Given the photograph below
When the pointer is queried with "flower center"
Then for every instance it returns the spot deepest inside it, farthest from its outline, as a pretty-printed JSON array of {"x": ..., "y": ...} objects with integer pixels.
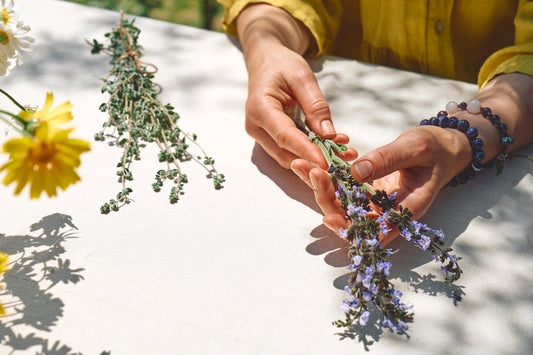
[
  {"x": 4, "y": 38},
  {"x": 42, "y": 153},
  {"x": 4, "y": 16}
]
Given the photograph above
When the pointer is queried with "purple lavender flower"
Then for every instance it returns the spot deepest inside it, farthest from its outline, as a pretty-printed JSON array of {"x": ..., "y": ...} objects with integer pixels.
[
  {"x": 367, "y": 296},
  {"x": 345, "y": 306},
  {"x": 424, "y": 242},
  {"x": 367, "y": 280},
  {"x": 386, "y": 323},
  {"x": 343, "y": 232},
  {"x": 406, "y": 233},
  {"x": 364, "y": 318},
  {"x": 357, "y": 260},
  {"x": 384, "y": 267}
]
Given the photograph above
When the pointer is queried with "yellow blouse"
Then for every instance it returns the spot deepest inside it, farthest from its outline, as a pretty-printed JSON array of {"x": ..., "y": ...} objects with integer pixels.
[{"x": 458, "y": 39}]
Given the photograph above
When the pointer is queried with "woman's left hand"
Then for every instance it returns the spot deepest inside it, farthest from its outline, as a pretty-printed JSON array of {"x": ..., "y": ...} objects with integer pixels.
[{"x": 416, "y": 166}]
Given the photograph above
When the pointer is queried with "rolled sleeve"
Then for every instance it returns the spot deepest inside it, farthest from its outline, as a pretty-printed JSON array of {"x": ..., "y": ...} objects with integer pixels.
[
  {"x": 320, "y": 17},
  {"x": 517, "y": 58}
]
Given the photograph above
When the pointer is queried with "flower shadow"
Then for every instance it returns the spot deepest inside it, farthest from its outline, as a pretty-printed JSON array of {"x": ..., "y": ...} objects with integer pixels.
[{"x": 36, "y": 267}]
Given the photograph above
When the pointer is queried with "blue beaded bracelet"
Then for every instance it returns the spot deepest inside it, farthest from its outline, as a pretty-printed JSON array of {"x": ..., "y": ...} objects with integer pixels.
[{"x": 476, "y": 143}]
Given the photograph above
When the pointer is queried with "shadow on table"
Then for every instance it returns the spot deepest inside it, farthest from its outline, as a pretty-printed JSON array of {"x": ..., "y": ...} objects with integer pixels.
[
  {"x": 36, "y": 267},
  {"x": 453, "y": 211}
]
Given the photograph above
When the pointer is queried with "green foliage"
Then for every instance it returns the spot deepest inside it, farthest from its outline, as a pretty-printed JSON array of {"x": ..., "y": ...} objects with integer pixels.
[
  {"x": 199, "y": 13},
  {"x": 137, "y": 117}
]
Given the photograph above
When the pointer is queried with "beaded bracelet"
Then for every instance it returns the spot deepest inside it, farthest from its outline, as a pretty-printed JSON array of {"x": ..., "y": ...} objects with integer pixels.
[{"x": 476, "y": 143}]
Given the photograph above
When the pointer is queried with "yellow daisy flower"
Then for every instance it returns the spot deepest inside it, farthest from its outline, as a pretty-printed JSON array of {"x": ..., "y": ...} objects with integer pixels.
[
  {"x": 45, "y": 162},
  {"x": 57, "y": 116}
]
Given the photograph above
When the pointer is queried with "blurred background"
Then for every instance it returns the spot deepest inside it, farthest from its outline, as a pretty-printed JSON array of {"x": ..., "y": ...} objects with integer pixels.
[{"x": 199, "y": 13}]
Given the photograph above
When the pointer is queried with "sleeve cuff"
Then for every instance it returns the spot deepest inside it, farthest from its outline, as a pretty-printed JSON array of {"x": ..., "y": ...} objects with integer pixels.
[
  {"x": 300, "y": 10},
  {"x": 514, "y": 59}
]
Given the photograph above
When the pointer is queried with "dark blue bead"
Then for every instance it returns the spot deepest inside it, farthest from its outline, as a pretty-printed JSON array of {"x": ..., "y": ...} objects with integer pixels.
[
  {"x": 462, "y": 178},
  {"x": 434, "y": 121},
  {"x": 424, "y": 122},
  {"x": 495, "y": 119},
  {"x": 444, "y": 121},
  {"x": 476, "y": 144},
  {"x": 476, "y": 165},
  {"x": 502, "y": 128},
  {"x": 471, "y": 132},
  {"x": 486, "y": 112},
  {"x": 463, "y": 125},
  {"x": 453, "y": 121},
  {"x": 453, "y": 182},
  {"x": 507, "y": 141},
  {"x": 442, "y": 113},
  {"x": 462, "y": 105},
  {"x": 470, "y": 172},
  {"x": 478, "y": 156}
]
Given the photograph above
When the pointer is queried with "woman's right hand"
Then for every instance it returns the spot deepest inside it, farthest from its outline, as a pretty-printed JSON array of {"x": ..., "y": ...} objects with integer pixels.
[{"x": 280, "y": 81}]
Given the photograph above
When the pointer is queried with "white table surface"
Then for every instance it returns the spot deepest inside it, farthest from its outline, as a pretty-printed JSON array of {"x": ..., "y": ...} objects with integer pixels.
[{"x": 248, "y": 269}]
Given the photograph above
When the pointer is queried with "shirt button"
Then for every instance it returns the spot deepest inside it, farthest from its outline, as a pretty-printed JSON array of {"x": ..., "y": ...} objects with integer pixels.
[{"x": 439, "y": 26}]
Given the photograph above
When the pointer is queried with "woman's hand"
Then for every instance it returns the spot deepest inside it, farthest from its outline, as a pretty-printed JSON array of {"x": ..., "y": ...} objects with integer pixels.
[
  {"x": 280, "y": 81},
  {"x": 416, "y": 166}
]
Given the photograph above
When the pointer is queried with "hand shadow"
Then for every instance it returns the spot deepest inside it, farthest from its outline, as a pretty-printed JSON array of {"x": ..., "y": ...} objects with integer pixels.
[{"x": 453, "y": 211}]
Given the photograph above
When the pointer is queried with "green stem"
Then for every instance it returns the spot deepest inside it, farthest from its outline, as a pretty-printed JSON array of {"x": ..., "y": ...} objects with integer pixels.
[
  {"x": 333, "y": 159},
  {"x": 16, "y": 118},
  {"x": 12, "y": 100}
]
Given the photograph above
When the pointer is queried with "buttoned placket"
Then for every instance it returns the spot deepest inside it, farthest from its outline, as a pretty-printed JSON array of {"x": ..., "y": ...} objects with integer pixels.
[{"x": 440, "y": 60}]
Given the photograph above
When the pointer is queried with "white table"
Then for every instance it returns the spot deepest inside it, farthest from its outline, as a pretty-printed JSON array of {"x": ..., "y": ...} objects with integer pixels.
[{"x": 248, "y": 269}]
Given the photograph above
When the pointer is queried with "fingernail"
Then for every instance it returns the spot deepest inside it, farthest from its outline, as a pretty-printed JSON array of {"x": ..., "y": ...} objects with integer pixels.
[
  {"x": 364, "y": 169},
  {"x": 299, "y": 172},
  {"x": 314, "y": 182},
  {"x": 327, "y": 127}
]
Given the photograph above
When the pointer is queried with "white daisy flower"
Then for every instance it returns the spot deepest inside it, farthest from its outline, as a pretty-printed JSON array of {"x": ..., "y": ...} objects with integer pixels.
[
  {"x": 13, "y": 39},
  {"x": 8, "y": 12}
]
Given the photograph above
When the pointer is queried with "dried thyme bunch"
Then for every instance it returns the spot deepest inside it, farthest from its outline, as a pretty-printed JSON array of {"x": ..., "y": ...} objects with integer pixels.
[
  {"x": 136, "y": 115},
  {"x": 372, "y": 213}
]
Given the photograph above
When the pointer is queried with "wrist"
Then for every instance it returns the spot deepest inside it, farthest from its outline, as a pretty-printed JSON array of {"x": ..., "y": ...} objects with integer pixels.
[{"x": 262, "y": 24}]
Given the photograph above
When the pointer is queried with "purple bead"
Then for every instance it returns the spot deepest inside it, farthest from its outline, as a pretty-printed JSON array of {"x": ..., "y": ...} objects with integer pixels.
[
  {"x": 495, "y": 119},
  {"x": 452, "y": 122},
  {"x": 476, "y": 144},
  {"x": 486, "y": 112},
  {"x": 463, "y": 125},
  {"x": 502, "y": 128},
  {"x": 471, "y": 132},
  {"x": 434, "y": 121},
  {"x": 507, "y": 141},
  {"x": 424, "y": 122},
  {"x": 462, "y": 105},
  {"x": 444, "y": 121},
  {"x": 442, "y": 113},
  {"x": 478, "y": 156}
]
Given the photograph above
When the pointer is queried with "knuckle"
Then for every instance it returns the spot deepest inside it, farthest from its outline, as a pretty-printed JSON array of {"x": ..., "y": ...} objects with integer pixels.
[
  {"x": 282, "y": 138},
  {"x": 319, "y": 109}
]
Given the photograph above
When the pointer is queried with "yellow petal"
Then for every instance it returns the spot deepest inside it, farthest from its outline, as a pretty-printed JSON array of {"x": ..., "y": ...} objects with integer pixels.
[
  {"x": 47, "y": 103},
  {"x": 36, "y": 180},
  {"x": 59, "y": 115}
]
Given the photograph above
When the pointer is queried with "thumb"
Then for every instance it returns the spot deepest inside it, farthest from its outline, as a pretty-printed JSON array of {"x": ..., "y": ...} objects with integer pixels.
[{"x": 400, "y": 154}]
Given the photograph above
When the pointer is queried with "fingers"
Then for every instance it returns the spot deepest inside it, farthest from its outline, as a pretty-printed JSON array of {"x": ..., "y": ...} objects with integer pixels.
[
  {"x": 404, "y": 152},
  {"x": 304, "y": 87},
  {"x": 277, "y": 133}
]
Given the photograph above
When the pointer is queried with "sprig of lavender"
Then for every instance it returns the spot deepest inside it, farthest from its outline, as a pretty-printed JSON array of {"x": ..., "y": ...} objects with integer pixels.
[{"x": 371, "y": 214}]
